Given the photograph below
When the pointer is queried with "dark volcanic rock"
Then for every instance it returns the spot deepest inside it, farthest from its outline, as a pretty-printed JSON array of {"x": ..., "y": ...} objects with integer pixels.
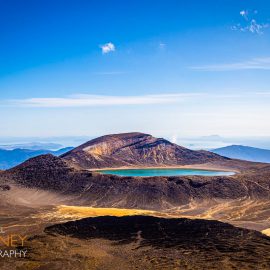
[
  {"x": 45, "y": 171},
  {"x": 54, "y": 174},
  {"x": 212, "y": 239},
  {"x": 134, "y": 149},
  {"x": 155, "y": 231},
  {"x": 4, "y": 187}
]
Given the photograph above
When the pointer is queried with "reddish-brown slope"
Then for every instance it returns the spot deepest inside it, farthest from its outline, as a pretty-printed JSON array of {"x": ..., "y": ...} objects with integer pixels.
[{"x": 135, "y": 149}]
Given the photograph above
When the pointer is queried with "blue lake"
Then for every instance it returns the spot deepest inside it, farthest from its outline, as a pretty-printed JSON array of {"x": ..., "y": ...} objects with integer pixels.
[{"x": 165, "y": 172}]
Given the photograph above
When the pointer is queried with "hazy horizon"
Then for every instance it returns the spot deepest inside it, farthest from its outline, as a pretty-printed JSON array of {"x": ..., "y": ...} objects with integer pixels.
[{"x": 196, "y": 143}]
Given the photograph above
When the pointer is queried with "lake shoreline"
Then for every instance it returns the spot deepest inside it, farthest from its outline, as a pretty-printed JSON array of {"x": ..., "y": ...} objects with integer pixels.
[{"x": 202, "y": 167}]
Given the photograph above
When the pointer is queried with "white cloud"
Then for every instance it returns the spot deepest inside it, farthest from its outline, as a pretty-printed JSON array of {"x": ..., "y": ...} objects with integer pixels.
[
  {"x": 251, "y": 24},
  {"x": 98, "y": 100},
  {"x": 108, "y": 47},
  {"x": 255, "y": 64},
  {"x": 244, "y": 13}
]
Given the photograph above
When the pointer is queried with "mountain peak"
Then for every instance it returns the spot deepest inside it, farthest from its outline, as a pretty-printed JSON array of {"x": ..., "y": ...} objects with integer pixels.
[{"x": 134, "y": 149}]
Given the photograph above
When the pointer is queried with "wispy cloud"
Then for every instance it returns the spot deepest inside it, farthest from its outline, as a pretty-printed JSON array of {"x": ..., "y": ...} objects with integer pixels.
[
  {"x": 108, "y": 47},
  {"x": 98, "y": 100},
  {"x": 264, "y": 94},
  {"x": 162, "y": 45},
  {"x": 109, "y": 73},
  {"x": 251, "y": 25},
  {"x": 255, "y": 64}
]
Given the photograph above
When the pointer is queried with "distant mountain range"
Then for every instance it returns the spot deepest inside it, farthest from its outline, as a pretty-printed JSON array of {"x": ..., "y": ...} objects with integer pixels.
[
  {"x": 32, "y": 146},
  {"x": 244, "y": 152},
  {"x": 11, "y": 158}
]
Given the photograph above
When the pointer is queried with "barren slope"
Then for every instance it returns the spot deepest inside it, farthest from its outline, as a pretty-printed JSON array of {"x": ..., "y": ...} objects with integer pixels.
[
  {"x": 135, "y": 149},
  {"x": 93, "y": 189}
]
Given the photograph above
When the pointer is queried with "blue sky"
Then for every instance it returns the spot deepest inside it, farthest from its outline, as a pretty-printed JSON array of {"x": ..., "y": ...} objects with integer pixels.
[{"x": 170, "y": 68}]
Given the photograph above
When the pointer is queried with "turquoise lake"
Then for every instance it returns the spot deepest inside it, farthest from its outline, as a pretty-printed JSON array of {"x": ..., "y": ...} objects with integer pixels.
[{"x": 164, "y": 172}]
